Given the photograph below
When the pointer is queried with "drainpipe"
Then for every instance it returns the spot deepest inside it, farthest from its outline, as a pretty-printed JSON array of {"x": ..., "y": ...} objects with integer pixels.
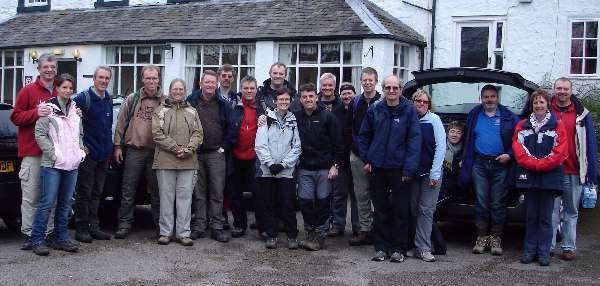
[{"x": 433, "y": 6}]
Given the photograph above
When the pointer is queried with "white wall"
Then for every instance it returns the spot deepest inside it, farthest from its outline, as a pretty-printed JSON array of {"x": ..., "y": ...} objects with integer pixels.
[
  {"x": 72, "y": 4},
  {"x": 8, "y": 9},
  {"x": 147, "y": 2}
]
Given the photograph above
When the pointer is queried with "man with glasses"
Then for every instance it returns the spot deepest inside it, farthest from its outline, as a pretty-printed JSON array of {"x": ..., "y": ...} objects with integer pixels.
[
  {"x": 133, "y": 136},
  {"x": 390, "y": 142},
  {"x": 226, "y": 76}
]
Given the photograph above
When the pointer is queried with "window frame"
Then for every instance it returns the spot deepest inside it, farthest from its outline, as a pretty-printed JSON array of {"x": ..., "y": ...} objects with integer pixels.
[
  {"x": 492, "y": 24},
  {"x": 24, "y": 7},
  {"x": 118, "y": 66},
  {"x": 238, "y": 66},
  {"x": 13, "y": 67},
  {"x": 397, "y": 59},
  {"x": 341, "y": 65},
  {"x": 583, "y": 57},
  {"x": 110, "y": 3}
]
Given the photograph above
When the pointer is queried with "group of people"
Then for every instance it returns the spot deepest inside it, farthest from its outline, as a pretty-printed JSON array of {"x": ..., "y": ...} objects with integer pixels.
[{"x": 309, "y": 149}]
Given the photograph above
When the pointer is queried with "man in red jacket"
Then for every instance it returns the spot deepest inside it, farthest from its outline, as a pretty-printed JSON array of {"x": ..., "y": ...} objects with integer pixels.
[{"x": 26, "y": 112}]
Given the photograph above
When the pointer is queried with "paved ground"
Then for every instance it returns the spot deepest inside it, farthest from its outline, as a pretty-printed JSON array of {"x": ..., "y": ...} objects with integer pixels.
[{"x": 140, "y": 261}]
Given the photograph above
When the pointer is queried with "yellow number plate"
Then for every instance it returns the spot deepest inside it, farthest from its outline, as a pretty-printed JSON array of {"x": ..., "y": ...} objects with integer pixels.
[{"x": 6, "y": 166}]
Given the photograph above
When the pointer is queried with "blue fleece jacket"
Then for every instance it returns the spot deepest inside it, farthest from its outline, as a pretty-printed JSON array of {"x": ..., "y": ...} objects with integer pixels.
[
  {"x": 390, "y": 137},
  {"x": 97, "y": 124},
  {"x": 433, "y": 147}
]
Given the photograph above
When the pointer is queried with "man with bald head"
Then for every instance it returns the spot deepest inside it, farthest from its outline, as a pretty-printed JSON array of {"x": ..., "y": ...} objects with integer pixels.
[{"x": 389, "y": 142}]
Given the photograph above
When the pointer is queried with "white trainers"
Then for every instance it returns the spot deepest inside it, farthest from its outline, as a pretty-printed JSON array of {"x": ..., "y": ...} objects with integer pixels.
[{"x": 425, "y": 256}]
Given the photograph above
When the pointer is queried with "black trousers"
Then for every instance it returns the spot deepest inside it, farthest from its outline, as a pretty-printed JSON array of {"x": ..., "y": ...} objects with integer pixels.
[
  {"x": 391, "y": 201},
  {"x": 88, "y": 190},
  {"x": 243, "y": 180},
  {"x": 277, "y": 198}
]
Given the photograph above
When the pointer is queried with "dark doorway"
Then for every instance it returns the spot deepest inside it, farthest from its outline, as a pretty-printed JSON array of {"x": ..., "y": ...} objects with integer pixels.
[{"x": 70, "y": 67}]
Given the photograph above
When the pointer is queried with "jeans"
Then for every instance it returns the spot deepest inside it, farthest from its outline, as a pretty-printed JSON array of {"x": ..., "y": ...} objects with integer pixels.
[
  {"x": 538, "y": 224},
  {"x": 175, "y": 188},
  {"x": 391, "y": 220},
  {"x": 89, "y": 188},
  {"x": 280, "y": 192},
  {"x": 209, "y": 191},
  {"x": 489, "y": 182},
  {"x": 244, "y": 180},
  {"x": 29, "y": 174},
  {"x": 137, "y": 163},
  {"x": 57, "y": 186},
  {"x": 570, "y": 198},
  {"x": 314, "y": 189},
  {"x": 342, "y": 186},
  {"x": 361, "y": 198},
  {"x": 423, "y": 204}
]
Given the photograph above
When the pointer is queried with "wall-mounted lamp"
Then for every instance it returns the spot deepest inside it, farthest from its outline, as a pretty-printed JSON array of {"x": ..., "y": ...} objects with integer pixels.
[
  {"x": 168, "y": 47},
  {"x": 77, "y": 55},
  {"x": 58, "y": 52},
  {"x": 34, "y": 56}
]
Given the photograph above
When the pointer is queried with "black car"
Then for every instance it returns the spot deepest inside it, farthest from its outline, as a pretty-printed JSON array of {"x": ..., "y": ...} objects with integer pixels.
[
  {"x": 10, "y": 185},
  {"x": 454, "y": 92}
]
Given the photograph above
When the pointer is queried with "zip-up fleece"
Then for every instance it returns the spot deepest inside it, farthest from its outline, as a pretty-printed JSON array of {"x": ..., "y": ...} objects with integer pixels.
[
  {"x": 433, "y": 147},
  {"x": 278, "y": 142},
  {"x": 176, "y": 125},
  {"x": 97, "y": 124},
  {"x": 322, "y": 144},
  {"x": 390, "y": 137},
  {"x": 540, "y": 155},
  {"x": 139, "y": 132},
  {"x": 25, "y": 115},
  {"x": 60, "y": 136}
]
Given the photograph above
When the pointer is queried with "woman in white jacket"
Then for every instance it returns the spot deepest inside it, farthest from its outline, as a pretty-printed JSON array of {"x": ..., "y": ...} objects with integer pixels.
[{"x": 278, "y": 150}]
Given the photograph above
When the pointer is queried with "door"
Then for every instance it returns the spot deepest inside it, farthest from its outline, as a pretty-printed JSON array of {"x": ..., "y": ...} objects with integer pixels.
[
  {"x": 474, "y": 45},
  {"x": 70, "y": 67}
]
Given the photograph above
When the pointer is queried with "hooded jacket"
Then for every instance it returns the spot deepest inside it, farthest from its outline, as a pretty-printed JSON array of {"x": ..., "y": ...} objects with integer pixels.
[
  {"x": 358, "y": 110},
  {"x": 176, "y": 125},
  {"x": 390, "y": 137},
  {"x": 278, "y": 142}
]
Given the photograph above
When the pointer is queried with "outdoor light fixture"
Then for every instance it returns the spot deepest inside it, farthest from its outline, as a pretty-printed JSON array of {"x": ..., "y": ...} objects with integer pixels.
[
  {"x": 168, "y": 47},
  {"x": 34, "y": 56},
  {"x": 77, "y": 55},
  {"x": 58, "y": 52}
]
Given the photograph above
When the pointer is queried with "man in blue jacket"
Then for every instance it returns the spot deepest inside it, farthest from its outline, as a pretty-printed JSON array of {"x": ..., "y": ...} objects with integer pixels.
[
  {"x": 487, "y": 159},
  {"x": 97, "y": 110},
  {"x": 389, "y": 142}
]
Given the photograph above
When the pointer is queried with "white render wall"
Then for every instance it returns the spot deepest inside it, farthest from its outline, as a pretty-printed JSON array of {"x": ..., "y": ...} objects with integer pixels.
[{"x": 8, "y": 9}]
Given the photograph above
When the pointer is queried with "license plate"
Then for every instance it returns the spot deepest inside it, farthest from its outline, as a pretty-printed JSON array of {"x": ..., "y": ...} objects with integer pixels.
[{"x": 7, "y": 166}]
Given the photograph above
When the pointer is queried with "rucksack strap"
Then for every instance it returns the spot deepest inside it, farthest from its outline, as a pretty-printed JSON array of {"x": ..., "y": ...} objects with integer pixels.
[{"x": 130, "y": 112}]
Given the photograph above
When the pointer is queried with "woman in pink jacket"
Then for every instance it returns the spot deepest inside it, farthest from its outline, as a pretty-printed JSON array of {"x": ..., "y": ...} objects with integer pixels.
[{"x": 59, "y": 136}]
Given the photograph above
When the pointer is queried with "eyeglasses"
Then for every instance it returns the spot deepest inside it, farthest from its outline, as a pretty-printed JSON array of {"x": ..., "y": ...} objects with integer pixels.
[
  {"x": 421, "y": 101},
  {"x": 388, "y": 87}
]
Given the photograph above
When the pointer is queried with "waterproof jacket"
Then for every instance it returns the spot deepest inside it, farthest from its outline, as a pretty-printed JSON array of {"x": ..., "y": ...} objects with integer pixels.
[
  {"x": 433, "y": 146},
  {"x": 228, "y": 122},
  {"x": 97, "y": 124},
  {"x": 390, "y": 137},
  {"x": 25, "y": 115},
  {"x": 247, "y": 130},
  {"x": 266, "y": 96},
  {"x": 358, "y": 110},
  {"x": 278, "y": 142},
  {"x": 176, "y": 125},
  {"x": 322, "y": 145},
  {"x": 344, "y": 119},
  {"x": 139, "y": 131},
  {"x": 540, "y": 155},
  {"x": 60, "y": 136},
  {"x": 507, "y": 127},
  {"x": 585, "y": 141}
]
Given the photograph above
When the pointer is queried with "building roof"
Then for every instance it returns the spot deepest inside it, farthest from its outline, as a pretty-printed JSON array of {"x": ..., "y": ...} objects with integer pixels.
[{"x": 208, "y": 21}]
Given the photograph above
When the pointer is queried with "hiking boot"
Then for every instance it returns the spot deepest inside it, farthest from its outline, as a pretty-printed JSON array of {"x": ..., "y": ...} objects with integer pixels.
[
  {"x": 122, "y": 233},
  {"x": 82, "y": 233},
  {"x": 335, "y": 232},
  {"x": 238, "y": 232},
  {"x": 98, "y": 234},
  {"x": 314, "y": 244},
  {"x": 495, "y": 245},
  {"x": 196, "y": 234},
  {"x": 219, "y": 235},
  {"x": 568, "y": 255},
  {"x": 26, "y": 243},
  {"x": 263, "y": 235},
  {"x": 544, "y": 261},
  {"x": 40, "y": 250},
  {"x": 480, "y": 244},
  {"x": 50, "y": 238},
  {"x": 293, "y": 243},
  {"x": 164, "y": 240},
  {"x": 425, "y": 256},
  {"x": 363, "y": 238},
  {"x": 397, "y": 257},
  {"x": 66, "y": 245},
  {"x": 309, "y": 243},
  {"x": 186, "y": 241},
  {"x": 320, "y": 240},
  {"x": 271, "y": 243},
  {"x": 379, "y": 256}
]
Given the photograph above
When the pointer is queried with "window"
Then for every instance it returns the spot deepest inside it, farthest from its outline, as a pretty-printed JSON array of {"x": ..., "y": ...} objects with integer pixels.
[
  {"x": 110, "y": 3},
  {"x": 480, "y": 43},
  {"x": 211, "y": 57},
  {"x": 307, "y": 61},
  {"x": 33, "y": 6},
  {"x": 127, "y": 62},
  {"x": 30, "y": 3},
  {"x": 584, "y": 48},
  {"x": 11, "y": 75},
  {"x": 401, "y": 61}
]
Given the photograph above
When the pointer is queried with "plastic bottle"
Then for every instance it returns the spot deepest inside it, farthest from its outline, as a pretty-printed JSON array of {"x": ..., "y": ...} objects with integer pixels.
[{"x": 589, "y": 196}]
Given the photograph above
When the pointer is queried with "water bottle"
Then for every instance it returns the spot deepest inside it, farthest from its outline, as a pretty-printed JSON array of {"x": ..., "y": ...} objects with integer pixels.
[{"x": 589, "y": 196}]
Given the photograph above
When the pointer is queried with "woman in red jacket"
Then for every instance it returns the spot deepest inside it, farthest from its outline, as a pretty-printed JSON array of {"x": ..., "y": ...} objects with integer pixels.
[{"x": 540, "y": 148}]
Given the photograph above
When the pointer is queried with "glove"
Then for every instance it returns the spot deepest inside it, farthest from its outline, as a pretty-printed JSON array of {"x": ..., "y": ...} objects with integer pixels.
[{"x": 276, "y": 169}]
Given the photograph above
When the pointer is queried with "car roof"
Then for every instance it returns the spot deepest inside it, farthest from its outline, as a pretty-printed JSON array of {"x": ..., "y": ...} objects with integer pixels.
[{"x": 466, "y": 75}]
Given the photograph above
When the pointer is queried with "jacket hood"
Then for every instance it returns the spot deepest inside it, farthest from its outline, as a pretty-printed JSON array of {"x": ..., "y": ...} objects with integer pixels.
[
  {"x": 55, "y": 105},
  {"x": 267, "y": 84},
  {"x": 194, "y": 98},
  {"x": 169, "y": 102},
  {"x": 577, "y": 104}
]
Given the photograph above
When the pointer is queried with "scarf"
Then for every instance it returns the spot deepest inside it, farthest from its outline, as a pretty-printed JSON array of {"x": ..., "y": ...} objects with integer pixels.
[
  {"x": 451, "y": 151},
  {"x": 535, "y": 124}
]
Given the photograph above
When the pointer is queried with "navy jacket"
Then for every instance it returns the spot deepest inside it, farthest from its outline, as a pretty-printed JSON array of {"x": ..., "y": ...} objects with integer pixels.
[
  {"x": 266, "y": 96},
  {"x": 358, "y": 109},
  {"x": 97, "y": 124},
  {"x": 320, "y": 139},
  {"x": 391, "y": 137},
  {"x": 230, "y": 127},
  {"x": 507, "y": 128}
]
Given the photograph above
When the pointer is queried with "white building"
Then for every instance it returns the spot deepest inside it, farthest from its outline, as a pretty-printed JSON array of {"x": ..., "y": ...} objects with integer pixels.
[{"x": 184, "y": 37}]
